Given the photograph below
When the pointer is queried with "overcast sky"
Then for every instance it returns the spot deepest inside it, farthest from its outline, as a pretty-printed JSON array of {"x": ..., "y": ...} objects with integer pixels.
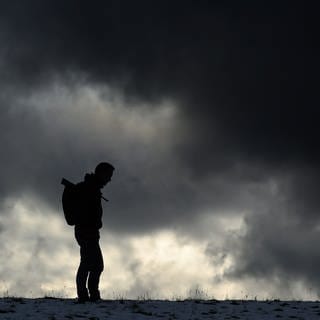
[{"x": 209, "y": 112}]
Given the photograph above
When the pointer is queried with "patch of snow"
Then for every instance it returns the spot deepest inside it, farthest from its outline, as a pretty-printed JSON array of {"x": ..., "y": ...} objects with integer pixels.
[{"x": 57, "y": 309}]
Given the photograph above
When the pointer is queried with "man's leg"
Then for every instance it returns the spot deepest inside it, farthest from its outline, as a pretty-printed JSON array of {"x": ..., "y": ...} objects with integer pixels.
[
  {"x": 83, "y": 271},
  {"x": 95, "y": 272},
  {"x": 93, "y": 285},
  {"x": 81, "y": 281}
]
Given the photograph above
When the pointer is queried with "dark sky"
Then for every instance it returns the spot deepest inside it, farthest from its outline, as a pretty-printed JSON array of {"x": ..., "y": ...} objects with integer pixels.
[{"x": 219, "y": 117}]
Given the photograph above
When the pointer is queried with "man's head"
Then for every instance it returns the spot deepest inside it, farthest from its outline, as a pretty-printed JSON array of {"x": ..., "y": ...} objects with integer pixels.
[{"x": 103, "y": 173}]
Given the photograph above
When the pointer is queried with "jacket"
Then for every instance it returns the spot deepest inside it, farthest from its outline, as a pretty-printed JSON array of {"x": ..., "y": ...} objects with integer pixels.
[{"x": 90, "y": 208}]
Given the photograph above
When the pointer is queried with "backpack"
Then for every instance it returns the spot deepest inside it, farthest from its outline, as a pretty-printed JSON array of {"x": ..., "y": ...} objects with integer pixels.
[{"x": 70, "y": 202}]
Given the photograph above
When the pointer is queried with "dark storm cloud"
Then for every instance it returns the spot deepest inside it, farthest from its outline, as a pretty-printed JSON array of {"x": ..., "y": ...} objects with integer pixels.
[
  {"x": 241, "y": 75},
  {"x": 277, "y": 242},
  {"x": 241, "y": 71},
  {"x": 279, "y": 248}
]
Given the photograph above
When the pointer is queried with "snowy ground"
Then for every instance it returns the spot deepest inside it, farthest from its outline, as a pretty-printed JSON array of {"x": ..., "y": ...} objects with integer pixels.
[{"x": 56, "y": 309}]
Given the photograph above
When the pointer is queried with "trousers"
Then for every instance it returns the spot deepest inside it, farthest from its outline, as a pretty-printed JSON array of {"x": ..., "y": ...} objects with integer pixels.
[{"x": 91, "y": 264}]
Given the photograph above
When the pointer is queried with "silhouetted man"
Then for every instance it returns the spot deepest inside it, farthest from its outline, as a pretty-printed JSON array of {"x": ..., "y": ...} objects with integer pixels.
[{"x": 87, "y": 232}]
